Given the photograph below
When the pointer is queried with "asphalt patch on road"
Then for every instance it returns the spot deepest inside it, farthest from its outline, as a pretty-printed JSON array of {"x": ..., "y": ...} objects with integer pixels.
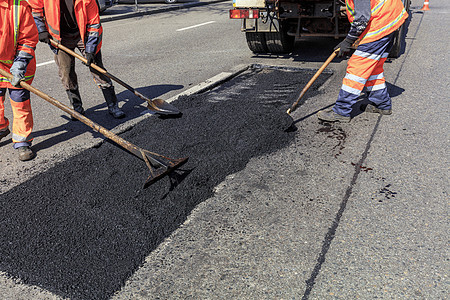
[{"x": 82, "y": 228}]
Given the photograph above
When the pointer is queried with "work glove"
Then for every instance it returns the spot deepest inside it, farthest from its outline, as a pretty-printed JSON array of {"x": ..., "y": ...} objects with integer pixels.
[
  {"x": 344, "y": 47},
  {"x": 90, "y": 58},
  {"x": 45, "y": 37},
  {"x": 18, "y": 70}
]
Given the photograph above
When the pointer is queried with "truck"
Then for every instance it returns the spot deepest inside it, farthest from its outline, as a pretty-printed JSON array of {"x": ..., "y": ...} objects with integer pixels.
[{"x": 273, "y": 26}]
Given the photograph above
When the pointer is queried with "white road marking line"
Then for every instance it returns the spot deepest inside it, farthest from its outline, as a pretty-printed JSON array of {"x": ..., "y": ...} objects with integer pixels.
[
  {"x": 45, "y": 63},
  {"x": 198, "y": 25}
]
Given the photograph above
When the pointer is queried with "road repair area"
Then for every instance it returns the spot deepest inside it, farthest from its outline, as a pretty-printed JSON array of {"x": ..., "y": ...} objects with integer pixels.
[{"x": 268, "y": 205}]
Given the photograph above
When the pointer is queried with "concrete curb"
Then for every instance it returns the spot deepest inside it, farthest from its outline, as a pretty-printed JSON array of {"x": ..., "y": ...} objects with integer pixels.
[{"x": 144, "y": 12}]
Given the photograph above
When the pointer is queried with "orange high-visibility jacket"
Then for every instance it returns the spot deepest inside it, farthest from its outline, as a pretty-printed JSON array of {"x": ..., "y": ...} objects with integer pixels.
[
  {"x": 18, "y": 38},
  {"x": 386, "y": 17},
  {"x": 47, "y": 14}
]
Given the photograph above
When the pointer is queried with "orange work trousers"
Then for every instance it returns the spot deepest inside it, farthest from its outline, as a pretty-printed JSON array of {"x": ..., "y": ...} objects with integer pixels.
[
  {"x": 22, "y": 116},
  {"x": 365, "y": 72}
]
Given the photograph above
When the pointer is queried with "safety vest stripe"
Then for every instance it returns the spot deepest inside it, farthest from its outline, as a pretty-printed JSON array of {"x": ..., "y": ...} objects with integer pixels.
[
  {"x": 375, "y": 77},
  {"x": 355, "y": 78},
  {"x": 16, "y": 20},
  {"x": 377, "y": 7},
  {"x": 350, "y": 90},
  {"x": 376, "y": 87},
  {"x": 350, "y": 9},
  {"x": 4, "y": 79},
  {"x": 390, "y": 25},
  {"x": 7, "y": 61},
  {"x": 367, "y": 55}
]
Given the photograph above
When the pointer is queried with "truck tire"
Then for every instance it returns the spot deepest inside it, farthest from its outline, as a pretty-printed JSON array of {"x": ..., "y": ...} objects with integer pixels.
[
  {"x": 279, "y": 42},
  {"x": 399, "y": 36},
  {"x": 256, "y": 42}
]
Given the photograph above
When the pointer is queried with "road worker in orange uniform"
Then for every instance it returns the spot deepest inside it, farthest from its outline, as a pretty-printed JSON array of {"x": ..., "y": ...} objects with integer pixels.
[
  {"x": 373, "y": 22},
  {"x": 75, "y": 24},
  {"x": 18, "y": 39}
]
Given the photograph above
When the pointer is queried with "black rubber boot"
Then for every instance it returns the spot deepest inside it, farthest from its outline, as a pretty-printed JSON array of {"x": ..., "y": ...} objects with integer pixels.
[
  {"x": 111, "y": 101},
  {"x": 75, "y": 101}
]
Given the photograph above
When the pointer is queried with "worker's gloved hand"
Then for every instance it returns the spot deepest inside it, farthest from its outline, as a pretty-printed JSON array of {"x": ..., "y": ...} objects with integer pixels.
[
  {"x": 90, "y": 58},
  {"x": 344, "y": 47},
  {"x": 45, "y": 37},
  {"x": 18, "y": 70}
]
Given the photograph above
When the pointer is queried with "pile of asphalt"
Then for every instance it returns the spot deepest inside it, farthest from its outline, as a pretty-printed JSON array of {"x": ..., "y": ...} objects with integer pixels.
[{"x": 83, "y": 227}]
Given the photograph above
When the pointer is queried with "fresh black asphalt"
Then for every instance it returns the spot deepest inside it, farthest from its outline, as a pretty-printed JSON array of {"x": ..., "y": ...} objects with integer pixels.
[{"x": 83, "y": 227}]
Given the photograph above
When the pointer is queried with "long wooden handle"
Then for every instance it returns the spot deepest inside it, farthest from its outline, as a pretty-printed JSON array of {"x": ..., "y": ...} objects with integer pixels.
[
  {"x": 125, "y": 144},
  {"x": 325, "y": 64}
]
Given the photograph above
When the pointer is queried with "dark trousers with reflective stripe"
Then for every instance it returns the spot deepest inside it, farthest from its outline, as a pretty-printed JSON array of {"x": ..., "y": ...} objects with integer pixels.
[{"x": 365, "y": 72}]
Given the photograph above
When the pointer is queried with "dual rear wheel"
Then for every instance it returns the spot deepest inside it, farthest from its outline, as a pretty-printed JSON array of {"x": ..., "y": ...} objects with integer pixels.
[
  {"x": 400, "y": 35},
  {"x": 270, "y": 42}
]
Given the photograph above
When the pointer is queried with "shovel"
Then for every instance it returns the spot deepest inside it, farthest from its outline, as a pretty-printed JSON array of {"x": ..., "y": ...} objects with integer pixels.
[
  {"x": 159, "y": 106},
  {"x": 326, "y": 63},
  {"x": 158, "y": 164}
]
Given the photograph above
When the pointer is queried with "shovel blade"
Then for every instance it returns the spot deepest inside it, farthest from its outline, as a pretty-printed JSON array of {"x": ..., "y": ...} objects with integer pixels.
[
  {"x": 160, "y": 106},
  {"x": 163, "y": 171}
]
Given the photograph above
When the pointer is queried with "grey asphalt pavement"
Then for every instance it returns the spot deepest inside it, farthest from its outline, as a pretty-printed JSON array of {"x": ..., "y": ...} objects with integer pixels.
[
  {"x": 345, "y": 211},
  {"x": 363, "y": 218},
  {"x": 130, "y": 10}
]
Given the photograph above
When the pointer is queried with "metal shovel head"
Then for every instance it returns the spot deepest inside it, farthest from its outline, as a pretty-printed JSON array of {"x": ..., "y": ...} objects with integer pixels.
[
  {"x": 160, "y": 106},
  {"x": 163, "y": 171}
]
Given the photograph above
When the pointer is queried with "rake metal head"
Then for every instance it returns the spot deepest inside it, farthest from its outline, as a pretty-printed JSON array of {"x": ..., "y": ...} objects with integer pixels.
[{"x": 156, "y": 174}]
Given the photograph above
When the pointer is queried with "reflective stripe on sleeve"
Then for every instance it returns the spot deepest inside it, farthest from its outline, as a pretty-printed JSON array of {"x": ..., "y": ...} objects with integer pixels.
[
  {"x": 95, "y": 26},
  {"x": 26, "y": 46},
  {"x": 53, "y": 30}
]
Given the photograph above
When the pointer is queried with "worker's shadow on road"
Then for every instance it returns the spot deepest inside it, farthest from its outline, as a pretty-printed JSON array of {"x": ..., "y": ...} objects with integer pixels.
[{"x": 132, "y": 105}]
